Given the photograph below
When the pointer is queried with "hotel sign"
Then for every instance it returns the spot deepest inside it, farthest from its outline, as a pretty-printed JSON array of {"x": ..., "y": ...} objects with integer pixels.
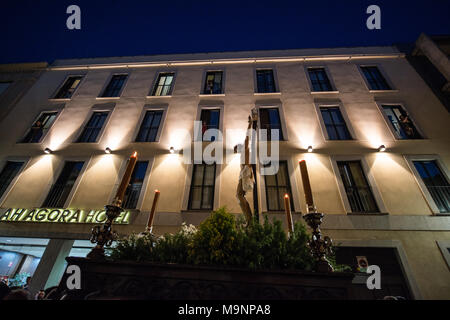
[{"x": 59, "y": 215}]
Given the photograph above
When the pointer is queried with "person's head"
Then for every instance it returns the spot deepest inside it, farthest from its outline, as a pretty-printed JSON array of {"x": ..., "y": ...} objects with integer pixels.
[
  {"x": 19, "y": 294},
  {"x": 4, "y": 290},
  {"x": 40, "y": 295},
  {"x": 37, "y": 124},
  {"x": 28, "y": 280}
]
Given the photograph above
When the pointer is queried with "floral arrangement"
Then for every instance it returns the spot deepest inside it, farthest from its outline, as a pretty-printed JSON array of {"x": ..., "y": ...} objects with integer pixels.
[{"x": 223, "y": 240}]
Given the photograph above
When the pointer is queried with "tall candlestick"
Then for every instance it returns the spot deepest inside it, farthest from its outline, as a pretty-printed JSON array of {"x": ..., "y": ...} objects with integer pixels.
[
  {"x": 152, "y": 212},
  {"x": 307, "y": 187},
  {"x": 125, "y": 180},
  {"x": 287, "y": 207}
]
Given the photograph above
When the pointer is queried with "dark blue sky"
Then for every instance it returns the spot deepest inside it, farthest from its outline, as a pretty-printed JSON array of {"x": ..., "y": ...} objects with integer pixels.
[{"x": 35, "y": 30}]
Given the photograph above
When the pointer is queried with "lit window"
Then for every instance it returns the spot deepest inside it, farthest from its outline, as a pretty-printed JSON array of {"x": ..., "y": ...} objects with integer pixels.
[
  {"x": 213, "y": 82},
  {"x": 163, "y": 86},
  {"x": 69, "y": 87},
  {"x": 401, "y": 122},
  {"x": 210, "y": 120},
  {"x": 40, "y": 127}
]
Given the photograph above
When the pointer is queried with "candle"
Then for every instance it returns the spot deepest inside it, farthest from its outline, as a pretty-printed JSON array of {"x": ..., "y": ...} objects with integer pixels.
[
  {"x": 152, "y": 212},
  {"x": 125, "y": 180},
  {"x": 307, "y": 187},
  {"x": 287, "y": 207}
]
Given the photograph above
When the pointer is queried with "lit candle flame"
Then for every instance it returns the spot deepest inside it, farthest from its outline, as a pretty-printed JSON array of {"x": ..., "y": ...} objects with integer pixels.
[{"x": 134, "y": 154}]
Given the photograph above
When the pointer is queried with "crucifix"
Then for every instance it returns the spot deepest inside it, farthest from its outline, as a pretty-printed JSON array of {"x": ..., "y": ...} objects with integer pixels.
[{"x": 247, "y": 175}]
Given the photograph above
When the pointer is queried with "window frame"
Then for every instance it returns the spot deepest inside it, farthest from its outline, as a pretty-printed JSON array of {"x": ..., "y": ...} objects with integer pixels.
[
  {"x": 275, "y": 80},
  {"x": 370, "y": 180},
  {"x": 293, "y": 183},
  {"x": 57, "y": 173},
  {"x": 444, "y": 246},
  {"x": 423, "y": 188},
  {"x": 187, "y": 189},
  {"x": 106, "y": 84},
  {"x": 145, "y": 183},
  {"x": 53, "y": 96},
  {"x": 210, "y": 106},
  {"x": 338, "y": 104},
  {"x": 155, "y": 83},
  {"x": 203, "y": 84},
  {"x": 382, "y": 72},
  {"x": 280, "y": 113},
  {"x": 107, "y": 107},
  {"x": 58, "y": 111},
  {"x": 10, "y": 83},
  {"x": 149, "y": 107},
  {"x": 327, "y": 72},
  {"x": 3, "y": 163},
  {"x": 394, "y": 133}
]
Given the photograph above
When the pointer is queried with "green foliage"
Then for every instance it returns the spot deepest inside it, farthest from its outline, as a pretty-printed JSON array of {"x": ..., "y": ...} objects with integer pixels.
[
  {"x": 136, "y": 247},
  {"x": 214, "y": 241},
  {"x": 223, "y": 240}
]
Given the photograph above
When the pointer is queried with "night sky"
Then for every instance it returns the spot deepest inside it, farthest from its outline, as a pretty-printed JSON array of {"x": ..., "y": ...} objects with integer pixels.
[{"x": 36, "y": 30}]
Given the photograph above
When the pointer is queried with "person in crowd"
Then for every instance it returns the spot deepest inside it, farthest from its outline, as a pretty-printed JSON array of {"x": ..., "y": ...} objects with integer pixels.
[
  {"x": 19, "y": 294},
  {"x": 4, "y": 290},
  {"x": 40, "y": 295}
]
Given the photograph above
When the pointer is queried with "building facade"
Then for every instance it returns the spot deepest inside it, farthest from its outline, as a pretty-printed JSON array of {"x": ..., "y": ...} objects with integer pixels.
[{"x": 378, "y": 163}]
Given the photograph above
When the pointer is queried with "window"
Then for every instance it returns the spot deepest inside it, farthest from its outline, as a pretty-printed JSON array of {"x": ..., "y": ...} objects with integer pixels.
[
  {"x": 265, "y": 81},
  {"x": 335, "y": 124},
  {"x": 150, "y": 125},
  {"x": 213, "y": 82},
  {"x": 319, "y": 79},
  {"x": 93, "y": 127},
  {"x": 277, "y": 186},
  {"x": 40, "y": 127},
  {"x": 270, "y": 119},
  {"x": 4, "y": 86},
  {"x": 115, "y": 85},
  {"x": 69, "y": 87},
  {"x": 375, "y": 79},
  {"x": 134, "y": 188},
  {"x": 163, "y": 86},
  {"x": 8, "y": 173},
  {"x": 356, "y": 186},
  {"x": 201, "y": 196},
  {"x": 436, "y": 183},
  {"x": 60, "y": 191},
  {"x": 210, "y": 120},
  {"x": 401, "y": 123}
]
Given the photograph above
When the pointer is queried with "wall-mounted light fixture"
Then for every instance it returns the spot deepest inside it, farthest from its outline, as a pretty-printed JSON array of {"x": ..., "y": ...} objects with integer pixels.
[
  {"x": 382, "y": 148},
  {"x": 108, "y": 150},
  {"x": 47, "y": 150},
  {"x": 310, "y": 149},
  {"x": 172, "y": 150}
]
